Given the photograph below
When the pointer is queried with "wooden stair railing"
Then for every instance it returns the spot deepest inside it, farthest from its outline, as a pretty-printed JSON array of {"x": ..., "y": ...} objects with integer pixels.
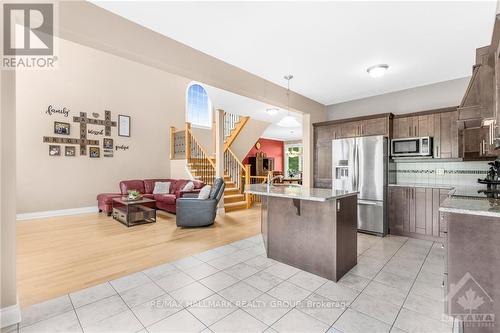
[
  {"x": 201, "y": 165},
  {"x": 235, "y": 130},
  {"x": 177, "y": 144},
  {"x": 237, "y": 173}
]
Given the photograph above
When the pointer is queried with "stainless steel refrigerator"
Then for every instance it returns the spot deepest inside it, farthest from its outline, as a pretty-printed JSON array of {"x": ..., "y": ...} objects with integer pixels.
[{"x": 361, "y": 164}]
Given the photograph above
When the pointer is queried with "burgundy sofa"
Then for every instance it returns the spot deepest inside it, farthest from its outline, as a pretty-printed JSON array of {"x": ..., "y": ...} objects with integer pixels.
[{"x": 166, "y": 202}]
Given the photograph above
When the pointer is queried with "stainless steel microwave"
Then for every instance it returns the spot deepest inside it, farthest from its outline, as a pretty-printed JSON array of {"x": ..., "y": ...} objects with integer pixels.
[{"x": 407, "y": 147}]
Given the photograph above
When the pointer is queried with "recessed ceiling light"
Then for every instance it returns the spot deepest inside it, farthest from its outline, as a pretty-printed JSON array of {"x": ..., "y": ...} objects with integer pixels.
[
  {"x": 272, "y": 111},
  {"x": 377, "y": 70}
]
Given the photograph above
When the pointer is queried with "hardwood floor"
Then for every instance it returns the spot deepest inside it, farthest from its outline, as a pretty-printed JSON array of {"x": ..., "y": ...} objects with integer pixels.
[{"x": 60, "y": 255}]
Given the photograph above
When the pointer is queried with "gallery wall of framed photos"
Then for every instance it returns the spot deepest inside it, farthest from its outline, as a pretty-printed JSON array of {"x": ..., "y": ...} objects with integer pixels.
[{"x": 92, "y": 132}]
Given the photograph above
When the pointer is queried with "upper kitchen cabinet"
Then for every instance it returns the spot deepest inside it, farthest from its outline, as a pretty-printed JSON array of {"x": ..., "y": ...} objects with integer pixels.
[
  {"x": 440, "y": 124},
  {"x": 351, "y": 129},
  {"x": 446, "y": 138},
  {"x": 327, "y": 131},
  {"x": 375, "y": 126},
  {"x": 346, "y": 128}
]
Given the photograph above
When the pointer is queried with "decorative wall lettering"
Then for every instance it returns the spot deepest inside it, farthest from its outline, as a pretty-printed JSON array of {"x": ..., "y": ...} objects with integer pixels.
[
  {"x": 61, "y": 128},
  {"x": 95, "y": 132},
  {"x": 69, "y": 141},
  {"x": 83, "y": 120},
  {"x": 50, "y": 111}
]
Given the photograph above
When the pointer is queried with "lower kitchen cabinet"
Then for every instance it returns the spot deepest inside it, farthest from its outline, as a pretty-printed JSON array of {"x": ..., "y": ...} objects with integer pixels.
[
  {"x": 414, "y": 212},
  {"x": 472, "y": 268}
]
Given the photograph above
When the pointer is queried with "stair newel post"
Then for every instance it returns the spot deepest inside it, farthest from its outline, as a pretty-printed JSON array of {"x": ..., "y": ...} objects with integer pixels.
[
  {"x": 247, "y": 183},
  {"x": 188, "y": 141}
]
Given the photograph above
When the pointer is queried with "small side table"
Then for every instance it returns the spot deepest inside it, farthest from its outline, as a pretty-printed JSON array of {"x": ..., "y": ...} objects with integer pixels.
[{"x": 134, "y": 212}]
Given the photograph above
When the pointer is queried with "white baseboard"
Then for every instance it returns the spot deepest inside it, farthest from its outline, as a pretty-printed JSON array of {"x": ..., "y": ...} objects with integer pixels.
[
  {"x": 52, "y": 213},
  {"x": 10, "y": 315}
]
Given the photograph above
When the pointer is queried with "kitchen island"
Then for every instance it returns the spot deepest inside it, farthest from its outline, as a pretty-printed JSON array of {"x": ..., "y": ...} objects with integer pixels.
[{"x": 309, "y": 228}]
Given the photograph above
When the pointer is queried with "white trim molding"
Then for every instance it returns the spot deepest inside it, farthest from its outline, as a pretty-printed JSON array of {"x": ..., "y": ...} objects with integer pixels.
[
  {"x": 52, "y": 213},
  {"x": 10, "y": 315}
]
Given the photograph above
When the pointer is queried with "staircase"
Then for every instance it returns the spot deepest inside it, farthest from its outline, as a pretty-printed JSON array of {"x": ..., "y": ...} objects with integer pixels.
[{"x": 202, "y": 166}]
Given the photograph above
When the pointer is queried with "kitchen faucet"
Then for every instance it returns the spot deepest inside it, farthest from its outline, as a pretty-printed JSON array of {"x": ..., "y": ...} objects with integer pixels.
[{"x": 270, "y": 180}]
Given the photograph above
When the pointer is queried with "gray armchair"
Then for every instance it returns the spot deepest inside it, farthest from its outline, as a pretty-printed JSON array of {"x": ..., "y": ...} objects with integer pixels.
[{"x": 194, "y": 212}]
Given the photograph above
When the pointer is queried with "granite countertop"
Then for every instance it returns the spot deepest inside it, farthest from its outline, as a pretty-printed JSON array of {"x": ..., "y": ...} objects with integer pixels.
[
  {"x": 299, "y": 192},
  {"x": 471, "y": 206}
]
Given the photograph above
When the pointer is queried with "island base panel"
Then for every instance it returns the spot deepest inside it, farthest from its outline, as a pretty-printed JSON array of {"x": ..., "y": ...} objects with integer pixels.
[{"x": 318, "y": 237}]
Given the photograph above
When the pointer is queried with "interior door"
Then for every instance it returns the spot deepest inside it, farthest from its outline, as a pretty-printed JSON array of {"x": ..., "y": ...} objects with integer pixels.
[{"x": 370, "y": 165}]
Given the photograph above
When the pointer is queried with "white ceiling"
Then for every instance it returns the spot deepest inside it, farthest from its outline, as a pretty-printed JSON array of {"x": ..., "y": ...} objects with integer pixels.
[
  {"x": 233, "y": 103},
  {"x": 327, "y": 46}
]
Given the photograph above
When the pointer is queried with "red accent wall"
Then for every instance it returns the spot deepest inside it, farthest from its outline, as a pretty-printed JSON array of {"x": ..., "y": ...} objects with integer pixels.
[{"x": 273, "y": 148}]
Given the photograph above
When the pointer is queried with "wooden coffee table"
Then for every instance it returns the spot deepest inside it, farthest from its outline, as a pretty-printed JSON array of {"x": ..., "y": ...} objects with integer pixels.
[{"x": 134, "y": 212}]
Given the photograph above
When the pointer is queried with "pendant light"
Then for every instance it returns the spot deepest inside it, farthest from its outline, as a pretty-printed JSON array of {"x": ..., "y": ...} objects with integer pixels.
[{"x": 289, "y": 120}]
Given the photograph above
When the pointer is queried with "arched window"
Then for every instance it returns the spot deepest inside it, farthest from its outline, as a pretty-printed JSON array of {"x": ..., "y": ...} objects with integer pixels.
[{"x": 199, "y": 108}]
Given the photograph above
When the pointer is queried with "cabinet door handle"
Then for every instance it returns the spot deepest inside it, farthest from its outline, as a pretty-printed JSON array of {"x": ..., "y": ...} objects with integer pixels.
[
  {"x": 415, "y": 133},
  {"x": 437, "y": 152},
  {"x": 480, "y": 149}
]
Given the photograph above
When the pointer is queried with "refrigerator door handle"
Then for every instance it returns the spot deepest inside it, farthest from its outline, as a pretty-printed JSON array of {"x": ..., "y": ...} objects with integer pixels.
[
  {"x": 356, "y": 166},
  {"x": 370, "y": 203}
]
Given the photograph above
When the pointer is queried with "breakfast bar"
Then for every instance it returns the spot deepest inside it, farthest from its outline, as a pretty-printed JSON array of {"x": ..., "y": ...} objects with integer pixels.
[{"x": 309, "y": 228}]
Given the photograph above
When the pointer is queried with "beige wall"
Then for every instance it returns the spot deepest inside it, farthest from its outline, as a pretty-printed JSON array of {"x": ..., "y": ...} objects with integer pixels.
[
  {"x": 432, "y": 96},
  {"x": 92, "y": 81},
  {"x": 205, "y": 138},
  {"x": 248, "y": 136},
  {"x": 8, "y": 292}
]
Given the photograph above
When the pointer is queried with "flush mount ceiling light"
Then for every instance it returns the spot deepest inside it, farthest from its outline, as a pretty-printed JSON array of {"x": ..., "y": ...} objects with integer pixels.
[
  {"x": 377, "y": 70},
  {"x": 289, "y": 120},
  {"x": 272, "y": 111}
]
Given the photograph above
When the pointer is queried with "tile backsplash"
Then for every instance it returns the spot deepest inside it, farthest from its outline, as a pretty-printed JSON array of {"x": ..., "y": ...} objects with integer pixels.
[{"x": 456, "y": 173}]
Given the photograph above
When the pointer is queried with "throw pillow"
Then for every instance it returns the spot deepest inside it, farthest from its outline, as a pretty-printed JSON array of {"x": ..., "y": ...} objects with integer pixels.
[
  {"x": 188, "y": 187},
  {"x": 162, "y": 188},
  {"x": 204, "y": 192}
]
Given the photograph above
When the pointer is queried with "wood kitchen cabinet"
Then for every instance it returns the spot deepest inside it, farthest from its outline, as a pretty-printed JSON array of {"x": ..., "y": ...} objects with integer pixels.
[
  {"x": 375, "y": 126},
  {"x": 446, "y": 138},
  {"x": 414, "y": 212},
  {"x": 323, "y": 165},
  {"x": 439, "y": 124},
  {"x": 351, "y": 129},
  {"x": 327, "y": 131}
]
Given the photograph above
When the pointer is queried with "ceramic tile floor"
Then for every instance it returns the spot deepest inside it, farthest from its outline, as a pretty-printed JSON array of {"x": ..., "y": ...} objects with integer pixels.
[{"x": 396, "y": 287}]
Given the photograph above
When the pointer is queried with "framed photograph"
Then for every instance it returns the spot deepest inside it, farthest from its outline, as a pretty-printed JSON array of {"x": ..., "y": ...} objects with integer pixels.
[
  {"x": 123, "y": 125},
  {"x": 95, "y": 152},
  {"x": 61, "y": 128},
  {"x": 54, "y": 150},
  {"x": 69, "y": 151},
  {"x": 107, "y": 143}
]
